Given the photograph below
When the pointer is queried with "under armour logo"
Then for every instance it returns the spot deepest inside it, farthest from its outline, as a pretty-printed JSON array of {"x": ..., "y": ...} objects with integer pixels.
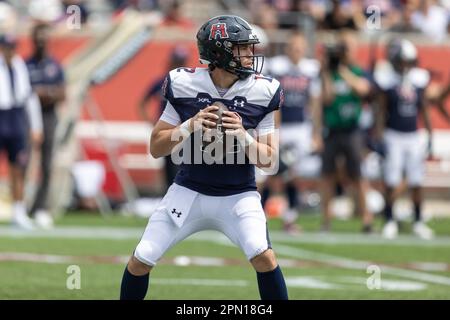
[
  {"x": 174, "y": 211},
  {"x": 239, "y": 103}
]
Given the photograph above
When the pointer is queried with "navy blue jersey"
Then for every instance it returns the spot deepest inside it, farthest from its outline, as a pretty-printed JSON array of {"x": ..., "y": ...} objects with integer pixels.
[
  {"x": 45, "y": 72},
  {"x": 404, "y": 96},
  {"x": 190, "y": 90},
  {"x": 299, "y": 81}
]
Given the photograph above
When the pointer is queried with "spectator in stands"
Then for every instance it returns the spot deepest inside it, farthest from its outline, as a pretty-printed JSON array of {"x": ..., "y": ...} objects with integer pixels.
[
  {"x": 140, "y": 5},
  {"x": 339, "y": 17},
  {"x": 174, "y": 16},
  {"x": 431, "y": 19},
  {"x": 178, "y": 58},
  {"x": 405, "y": 23},
  {"x": 265, "y": 16},
  {"x": 344, "y": 86},
  {"x": 47, "y": 80},
  {"x": 50, "y": 11},
  {"x": 18, "y": 108}
]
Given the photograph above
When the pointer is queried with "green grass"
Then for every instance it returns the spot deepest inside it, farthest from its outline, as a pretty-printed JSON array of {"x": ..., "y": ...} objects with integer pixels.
[
  {"x": 32, "y": 280},
  {"x": 309, "y": 222}
]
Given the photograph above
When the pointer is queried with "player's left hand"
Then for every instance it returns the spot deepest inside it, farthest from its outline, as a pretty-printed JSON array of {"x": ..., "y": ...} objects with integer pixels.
[{"x": 232, "y": 123}]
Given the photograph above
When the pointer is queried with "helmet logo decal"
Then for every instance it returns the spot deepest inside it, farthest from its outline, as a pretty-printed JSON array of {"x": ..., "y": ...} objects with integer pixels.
[{"x": 218, "y": 31}]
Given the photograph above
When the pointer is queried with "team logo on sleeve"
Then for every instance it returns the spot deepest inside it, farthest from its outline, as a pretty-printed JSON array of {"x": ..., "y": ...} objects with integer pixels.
[{"x": 218, "y": 31}]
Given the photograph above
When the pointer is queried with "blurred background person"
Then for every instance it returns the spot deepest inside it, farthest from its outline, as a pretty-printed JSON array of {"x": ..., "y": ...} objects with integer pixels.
[
  {"x": 299, "y": 77},
  {"x": 431, "y": 19},
  {"x": 20, "y": 123},
  {"x": 402, "y": 85},
  {"x": 344, "y": 86},
  {"x": 47, "y": 80},
  {"x": 178, "y": 58},
  {"x": 174, "y": 16}
]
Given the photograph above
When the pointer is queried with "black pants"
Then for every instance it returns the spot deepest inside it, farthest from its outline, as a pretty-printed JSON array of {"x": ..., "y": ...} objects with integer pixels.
[
  {"x": 347, "y": 144},
  {"x": 49, "y": 125}
]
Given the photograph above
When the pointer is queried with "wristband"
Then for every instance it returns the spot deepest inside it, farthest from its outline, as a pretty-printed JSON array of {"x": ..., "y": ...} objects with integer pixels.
[{"x": 185, "y": 128}]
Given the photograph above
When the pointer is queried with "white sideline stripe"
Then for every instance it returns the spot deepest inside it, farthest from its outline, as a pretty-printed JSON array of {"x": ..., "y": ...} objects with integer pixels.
[
  {"x": 117, "y": 233},
  {"x": 346, "y": 263},
  {"x": 57, "y": 259},
  {"x": 358, "y": 264},
  {"x": 127, "y": 131},
  {"x": 32, "y": 257},
  {"x": 202, "y": 282}
]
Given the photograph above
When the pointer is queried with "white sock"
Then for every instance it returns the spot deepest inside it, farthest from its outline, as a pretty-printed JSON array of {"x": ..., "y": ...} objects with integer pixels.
[{"x": 19, "y": 209}]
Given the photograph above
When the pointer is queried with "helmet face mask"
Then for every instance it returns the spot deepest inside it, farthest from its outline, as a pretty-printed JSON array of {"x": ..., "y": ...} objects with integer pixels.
[{"x": 219, "y": 43}]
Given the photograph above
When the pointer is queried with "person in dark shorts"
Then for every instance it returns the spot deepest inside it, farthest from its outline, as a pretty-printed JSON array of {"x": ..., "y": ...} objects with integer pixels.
[
  {"x": 20, "y": 124},
  {"x": 344, "y": 86}
]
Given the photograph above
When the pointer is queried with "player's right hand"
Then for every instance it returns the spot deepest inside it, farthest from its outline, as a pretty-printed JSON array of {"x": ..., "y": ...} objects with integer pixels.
[{"x": 204, "y": 119}]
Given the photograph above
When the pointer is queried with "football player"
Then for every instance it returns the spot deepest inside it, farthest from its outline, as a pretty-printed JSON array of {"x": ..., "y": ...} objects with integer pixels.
[
  {"x": 20, "y": 123},
  {"x": 218, "y": 196},
  {"x": 402, "y": 87},
  {"x": 299, "y": 77}
]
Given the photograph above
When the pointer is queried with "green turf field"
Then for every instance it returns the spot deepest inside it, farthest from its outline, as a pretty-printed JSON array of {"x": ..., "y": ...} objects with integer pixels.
[{"x": 34, "y": 265}]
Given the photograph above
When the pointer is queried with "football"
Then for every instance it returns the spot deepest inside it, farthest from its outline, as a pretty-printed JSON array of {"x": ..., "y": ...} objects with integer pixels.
[{"x": 214, "y": 140}]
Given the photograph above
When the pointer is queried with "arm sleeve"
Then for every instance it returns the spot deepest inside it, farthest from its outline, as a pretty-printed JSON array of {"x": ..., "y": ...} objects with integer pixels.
[
  {"x": 266, "y": 125},
  {"x": 33, "y": 107},
  {"x": 170, "y": 115},
  {"x": 277, "y": 100},
  {"x": 167, "y": 89}
]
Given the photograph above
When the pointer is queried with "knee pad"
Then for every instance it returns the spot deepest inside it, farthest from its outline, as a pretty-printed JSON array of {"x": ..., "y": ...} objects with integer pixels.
[
  {"x": 254, "y": 247},
  {"x": 147, "y": 253}
]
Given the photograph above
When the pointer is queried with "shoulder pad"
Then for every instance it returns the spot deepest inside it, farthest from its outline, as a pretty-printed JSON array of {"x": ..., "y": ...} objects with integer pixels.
[
  {"x": 309, "y": 67},
  {"x": 263, "y": 90},
  {"x": 385, "y": 76},
  {"x": 419, "y": 77},
  {"x": 185, "y": 81}
]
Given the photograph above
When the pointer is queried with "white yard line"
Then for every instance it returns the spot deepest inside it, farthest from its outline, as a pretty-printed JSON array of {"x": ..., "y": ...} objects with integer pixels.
[
  {"x": 119, "y": 233},
  {"x": 283, "y": 249},
  {"x": 201, "y": 282},
  {"x": 346, "y": 263}
]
